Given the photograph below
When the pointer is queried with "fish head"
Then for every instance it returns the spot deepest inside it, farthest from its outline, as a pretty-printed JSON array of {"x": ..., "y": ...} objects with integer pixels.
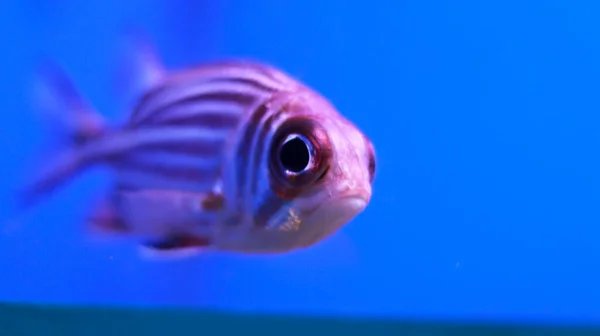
[{"x": 318, "y": 171}]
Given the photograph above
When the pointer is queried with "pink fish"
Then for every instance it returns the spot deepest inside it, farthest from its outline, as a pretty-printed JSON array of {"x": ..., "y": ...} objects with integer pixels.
[{"x": 230, "y": 156}]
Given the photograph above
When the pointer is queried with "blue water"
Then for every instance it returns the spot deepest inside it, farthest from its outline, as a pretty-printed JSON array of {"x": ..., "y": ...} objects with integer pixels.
[{"x": 486, "y": 120}]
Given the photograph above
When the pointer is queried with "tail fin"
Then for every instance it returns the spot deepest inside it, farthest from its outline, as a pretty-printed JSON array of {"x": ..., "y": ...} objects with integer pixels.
[{"x": 57, "y": 97}]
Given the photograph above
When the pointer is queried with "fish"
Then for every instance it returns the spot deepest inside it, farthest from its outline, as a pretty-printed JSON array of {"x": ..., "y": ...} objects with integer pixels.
[{"x": 232, "y": 155}]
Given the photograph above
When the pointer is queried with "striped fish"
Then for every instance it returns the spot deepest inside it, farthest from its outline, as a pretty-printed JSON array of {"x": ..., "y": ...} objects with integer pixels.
[{"x": 231, "y": 156}]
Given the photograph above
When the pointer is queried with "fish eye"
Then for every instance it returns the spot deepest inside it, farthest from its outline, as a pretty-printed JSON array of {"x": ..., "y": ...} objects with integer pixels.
[
  {"x": 300, "y": 154},
  {"x": 295, "y": 154}
]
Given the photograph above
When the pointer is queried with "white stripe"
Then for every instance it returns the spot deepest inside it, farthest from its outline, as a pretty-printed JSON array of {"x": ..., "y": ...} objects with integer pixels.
[
  {"x": 131, "y": 139},
  {"x": 147, "y": 180},
  {"x": 227, "y": 108},
  {"x": 167, "y": 159},
  {"x": 254, "y": 168},
  {"x": 175, "y": 93},
  {"x": 159, "y": 213}
]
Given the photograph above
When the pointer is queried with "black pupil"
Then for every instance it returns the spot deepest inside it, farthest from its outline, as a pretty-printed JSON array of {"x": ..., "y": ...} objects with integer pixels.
[{"x": 294, "y": 155}]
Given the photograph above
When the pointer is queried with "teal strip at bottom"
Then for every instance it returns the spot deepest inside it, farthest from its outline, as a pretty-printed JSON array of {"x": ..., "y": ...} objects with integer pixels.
[{"x": 87, "y": 321}]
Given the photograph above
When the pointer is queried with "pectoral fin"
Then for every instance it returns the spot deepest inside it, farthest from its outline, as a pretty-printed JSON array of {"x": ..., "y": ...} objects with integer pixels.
[{"x": 163, "y": 219}]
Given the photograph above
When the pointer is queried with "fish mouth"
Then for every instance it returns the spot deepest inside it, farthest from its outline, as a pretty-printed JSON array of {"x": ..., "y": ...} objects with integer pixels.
[
  {"x": 306, "y": 228},
  {"x": 329, "y": 217},
  {"x": 342, "y": 207},
  {"x": 339, "y": 212},
  {"x": 323, "y": 213}
]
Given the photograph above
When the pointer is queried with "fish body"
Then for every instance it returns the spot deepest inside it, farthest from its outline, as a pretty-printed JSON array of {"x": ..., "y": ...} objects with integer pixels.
[{"x": 232, "y": 156}]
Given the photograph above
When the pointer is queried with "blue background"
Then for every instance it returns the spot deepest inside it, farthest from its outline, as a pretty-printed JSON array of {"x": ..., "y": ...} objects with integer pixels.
[{"x": 484, "y": 114}]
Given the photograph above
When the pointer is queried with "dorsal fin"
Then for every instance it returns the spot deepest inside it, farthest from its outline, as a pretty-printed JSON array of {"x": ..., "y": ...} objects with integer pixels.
[{"x": 139, "y": 67}]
